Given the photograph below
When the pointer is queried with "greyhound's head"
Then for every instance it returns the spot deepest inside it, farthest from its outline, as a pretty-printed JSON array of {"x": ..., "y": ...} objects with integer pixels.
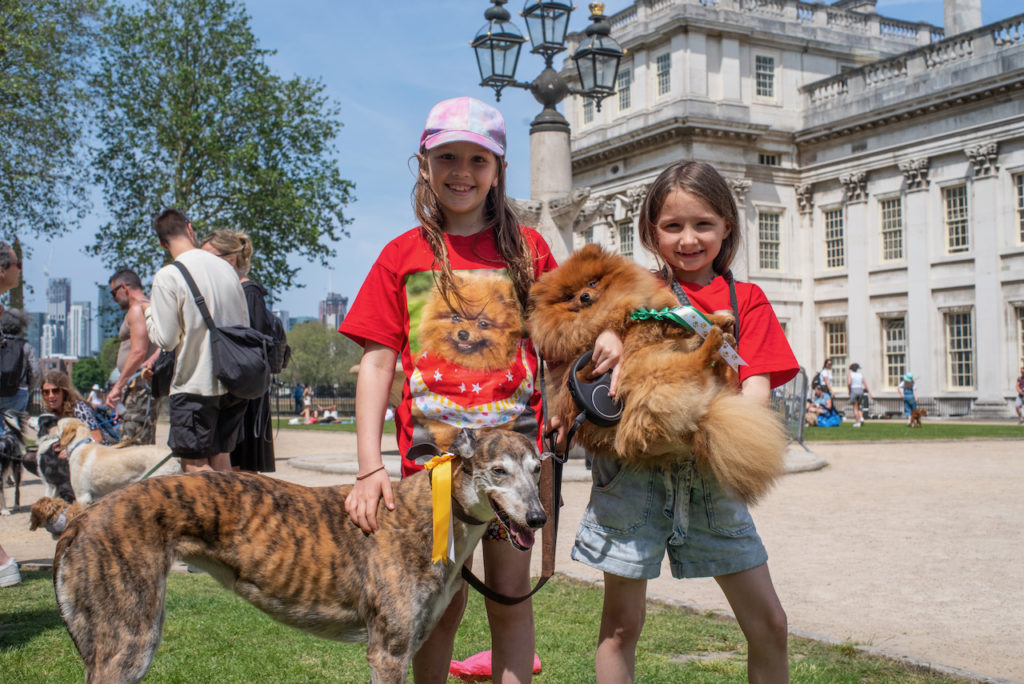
[{"x": 500, "y": 474}]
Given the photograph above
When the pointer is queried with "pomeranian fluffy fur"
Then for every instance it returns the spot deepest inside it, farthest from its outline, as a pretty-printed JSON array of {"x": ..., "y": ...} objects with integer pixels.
[
  {"x": 680, "y": 399},
  {"x": 481, "y": 333}
]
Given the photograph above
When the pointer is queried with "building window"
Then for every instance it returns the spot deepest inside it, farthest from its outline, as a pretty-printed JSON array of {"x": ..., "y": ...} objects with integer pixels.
[
  {"x": 769, "y": 241},
  {"x": 626, "y": 238},
  {"x": 764, "y": 70},
  {"x": 835, "y": 349},
  {"x": 1018, "y": 180},
  {"x": 958, "y": 238},
  {"x": 625, "y": 82},
  {"x": 960, "y": 350},
  {"x": 892, "y": 229},
  {"x": 664, "y": 71},
  {"x": 1020, "y": 335},
  {"x": 588, "y": 236},
  {"x": 588, "y": 110},
  {"x": 895, "y": 345},
  {"x": 765, "y": 159},
  {"x": 835, "y": 247}
]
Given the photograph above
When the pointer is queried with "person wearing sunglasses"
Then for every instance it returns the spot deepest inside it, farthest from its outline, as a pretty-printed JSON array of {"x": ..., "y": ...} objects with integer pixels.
[
  {"x": 63, "y": 400},
  {"x": 10, "y": 268}
]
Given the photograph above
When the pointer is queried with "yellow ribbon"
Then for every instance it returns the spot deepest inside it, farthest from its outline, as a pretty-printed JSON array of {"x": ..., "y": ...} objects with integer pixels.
[{"x": 441, "y": 497}]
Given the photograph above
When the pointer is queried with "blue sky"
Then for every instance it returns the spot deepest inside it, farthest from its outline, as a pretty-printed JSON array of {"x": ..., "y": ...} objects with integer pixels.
[{"x": 385, "y": 63}]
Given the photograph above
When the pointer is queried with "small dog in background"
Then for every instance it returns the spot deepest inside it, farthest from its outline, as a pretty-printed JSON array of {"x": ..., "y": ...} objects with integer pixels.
[
  {"x": 12, "y": 453},
  {"x": 915, "y": 417},
  {"x": 53, "y": 514}
]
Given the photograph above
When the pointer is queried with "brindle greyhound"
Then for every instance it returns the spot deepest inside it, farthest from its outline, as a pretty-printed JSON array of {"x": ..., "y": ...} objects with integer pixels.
[{"x": 291, "y": 551}]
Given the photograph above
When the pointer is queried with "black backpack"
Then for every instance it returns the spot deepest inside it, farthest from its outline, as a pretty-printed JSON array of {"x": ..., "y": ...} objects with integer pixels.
[
  {"x": 278, "y": 353},
  {"x": 816, "y": 381},
  {"x": 12, "y": 364}
]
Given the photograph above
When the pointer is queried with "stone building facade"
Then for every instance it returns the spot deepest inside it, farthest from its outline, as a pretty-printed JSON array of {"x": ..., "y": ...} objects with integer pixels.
[{"x": 878, "y": 168}]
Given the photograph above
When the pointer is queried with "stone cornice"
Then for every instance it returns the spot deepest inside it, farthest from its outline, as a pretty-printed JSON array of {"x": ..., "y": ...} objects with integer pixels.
[{"x": 657, "y": 134}]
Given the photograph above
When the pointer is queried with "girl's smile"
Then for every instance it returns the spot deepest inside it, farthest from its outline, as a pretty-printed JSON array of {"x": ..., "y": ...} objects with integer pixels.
[
  {"x": 461, "y": 174},
  {"x": 690, "y": 235}
]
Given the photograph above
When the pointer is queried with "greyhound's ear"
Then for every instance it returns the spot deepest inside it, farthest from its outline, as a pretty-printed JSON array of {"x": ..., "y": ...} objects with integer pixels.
[{"x": 465, "y": 444}]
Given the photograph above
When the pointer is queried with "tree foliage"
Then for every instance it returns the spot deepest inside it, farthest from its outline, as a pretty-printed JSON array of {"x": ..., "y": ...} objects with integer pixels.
[
  {"x": 192, "y": 117},
  {"x": 321, "y": 356},
  {"x": 88, "y": 372},
  {"x": 44, "y": 51}
]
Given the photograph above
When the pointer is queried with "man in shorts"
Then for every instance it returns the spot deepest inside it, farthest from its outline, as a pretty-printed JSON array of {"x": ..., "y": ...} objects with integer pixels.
[
  {"x": 135, "y": 359},
  {"x": 205, "y": 418}
]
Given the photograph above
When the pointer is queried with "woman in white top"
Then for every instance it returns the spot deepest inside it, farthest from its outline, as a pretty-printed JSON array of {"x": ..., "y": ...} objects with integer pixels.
[{"x": 857, "y": 386}]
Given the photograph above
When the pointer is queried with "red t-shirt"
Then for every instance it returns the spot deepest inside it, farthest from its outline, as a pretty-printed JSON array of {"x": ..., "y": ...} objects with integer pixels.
[
  {"x": 390, "y": 305},
  {"x": 762, "y": 343}
]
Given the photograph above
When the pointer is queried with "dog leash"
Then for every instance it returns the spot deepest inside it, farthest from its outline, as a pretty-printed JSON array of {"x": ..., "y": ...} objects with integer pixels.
[
  {"x": 157, "y": 466},
  {"x": 551, "y": 499}
]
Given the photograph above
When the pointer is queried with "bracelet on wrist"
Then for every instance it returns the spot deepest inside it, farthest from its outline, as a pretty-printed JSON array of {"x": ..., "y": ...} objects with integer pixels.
[{"x": 372, "y": 472}]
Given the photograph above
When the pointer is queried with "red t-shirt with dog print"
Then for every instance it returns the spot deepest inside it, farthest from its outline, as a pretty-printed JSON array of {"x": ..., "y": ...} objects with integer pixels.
[
  {"x": 762, "y": 342},
  {"x": 464, "y": 368}
]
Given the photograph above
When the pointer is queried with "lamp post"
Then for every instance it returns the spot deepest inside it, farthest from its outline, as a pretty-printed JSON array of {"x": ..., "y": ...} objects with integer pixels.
[{"x": 552, "y": 206}]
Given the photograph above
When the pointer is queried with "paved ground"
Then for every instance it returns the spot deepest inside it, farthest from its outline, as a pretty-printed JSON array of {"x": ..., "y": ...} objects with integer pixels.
[{"x": 913, "y": 549}]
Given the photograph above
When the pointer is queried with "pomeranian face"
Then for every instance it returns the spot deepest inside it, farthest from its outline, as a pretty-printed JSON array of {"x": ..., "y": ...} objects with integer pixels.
[
  {"x": 591, "y": 291},
  {"x": 483, "y": 335}
]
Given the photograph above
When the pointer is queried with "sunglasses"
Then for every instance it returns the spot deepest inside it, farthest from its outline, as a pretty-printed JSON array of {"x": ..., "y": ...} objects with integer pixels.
[
  {"x": 114, "y": 291},
  {"x": 55, "y": 390}
]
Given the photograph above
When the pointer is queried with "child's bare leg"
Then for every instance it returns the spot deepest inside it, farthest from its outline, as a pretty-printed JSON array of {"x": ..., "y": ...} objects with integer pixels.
[
  {"x": 763, "y": 621},
  {"x": 507, "y": 571},
  {"x": 431, "y": 663},
  {"x": 622, "y": 619}
]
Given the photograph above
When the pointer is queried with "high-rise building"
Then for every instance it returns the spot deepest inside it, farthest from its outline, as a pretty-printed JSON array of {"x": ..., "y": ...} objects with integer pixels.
[
  {"x": 79, "y": 340},
  {"x": 58, "y": 305},
  {"x": 34, "y": 333},
  {"x": 333, "y": 309},
  {"x": 108, "y": 314}
]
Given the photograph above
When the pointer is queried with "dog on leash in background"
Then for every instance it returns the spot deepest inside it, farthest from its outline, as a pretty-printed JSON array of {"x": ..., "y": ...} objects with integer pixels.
[
  {"x": 915, "y": 417},
  {"x": 291, "y": 551},
  {"x": 12, "y": 453},
  {"x": 97, "y": 469}
]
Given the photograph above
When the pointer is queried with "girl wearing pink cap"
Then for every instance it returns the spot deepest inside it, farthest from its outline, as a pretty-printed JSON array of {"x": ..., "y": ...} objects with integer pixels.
[{"x": 447, "y": 298}]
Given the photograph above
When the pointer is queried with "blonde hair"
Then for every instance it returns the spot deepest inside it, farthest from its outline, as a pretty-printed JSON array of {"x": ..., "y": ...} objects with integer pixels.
[
  {"x": 235, "y": 242},
  {"x": 498, "y": 212}
]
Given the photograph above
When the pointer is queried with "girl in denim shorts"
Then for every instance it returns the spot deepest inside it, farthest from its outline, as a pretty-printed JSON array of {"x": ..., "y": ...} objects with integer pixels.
[{"x": 689, "y": 221}]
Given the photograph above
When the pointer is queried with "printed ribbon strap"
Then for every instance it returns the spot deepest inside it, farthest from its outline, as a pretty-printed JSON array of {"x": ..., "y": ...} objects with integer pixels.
[
  {"x": 441, "y": 497},
  {"x": 690, "y": 318}
]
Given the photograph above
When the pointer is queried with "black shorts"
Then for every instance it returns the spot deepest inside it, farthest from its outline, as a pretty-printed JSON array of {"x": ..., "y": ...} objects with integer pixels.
[{"x": 202, "y": 427}]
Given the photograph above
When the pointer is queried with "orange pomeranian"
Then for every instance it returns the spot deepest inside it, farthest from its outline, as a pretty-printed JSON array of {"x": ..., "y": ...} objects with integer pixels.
[
  {"x": 679, "y": 397},
  {"x": 472, "y": 370}
]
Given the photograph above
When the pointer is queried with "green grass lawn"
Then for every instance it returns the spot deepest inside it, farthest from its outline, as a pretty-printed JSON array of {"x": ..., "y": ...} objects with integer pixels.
[
  {"x": 874, "y": 430},
  {"x": 214, "y": 636},
  {"x": 282, "y": 424}
]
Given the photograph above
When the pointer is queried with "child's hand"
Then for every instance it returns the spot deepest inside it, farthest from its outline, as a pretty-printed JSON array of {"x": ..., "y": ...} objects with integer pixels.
[
  {"x": 361, "y": 503},
  {"x": 608, "y": 355}
]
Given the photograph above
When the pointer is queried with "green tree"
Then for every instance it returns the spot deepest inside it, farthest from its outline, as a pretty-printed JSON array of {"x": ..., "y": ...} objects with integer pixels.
[
  {"x": 88, "y": 372},
  {"x": 321, "y": 356},
  {"x": 45, "y": 47},
  {"x": 108, "y": 355},
  {"x": 192, "y": 117}
]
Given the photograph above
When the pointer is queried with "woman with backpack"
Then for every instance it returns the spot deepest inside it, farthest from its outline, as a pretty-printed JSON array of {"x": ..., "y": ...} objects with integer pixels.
[
  {"x": 255, "y": 449},
  {"x": 824, "y": 378}
]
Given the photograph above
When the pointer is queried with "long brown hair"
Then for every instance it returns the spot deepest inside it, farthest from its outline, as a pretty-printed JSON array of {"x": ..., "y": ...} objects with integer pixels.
[
  {"x": 700, "y": 179},
  {"x": 498, "y": 212},
  {"x": 71, "y": 395}
]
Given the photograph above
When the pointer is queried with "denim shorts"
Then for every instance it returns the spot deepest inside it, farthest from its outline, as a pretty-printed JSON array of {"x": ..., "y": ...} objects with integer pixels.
[{"x": 636, "y": 514}]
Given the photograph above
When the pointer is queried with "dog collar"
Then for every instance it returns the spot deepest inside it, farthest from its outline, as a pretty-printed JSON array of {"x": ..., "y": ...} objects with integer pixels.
[
  {"x": 71, "y": 449},
  {"x": 694, "y": 320}
]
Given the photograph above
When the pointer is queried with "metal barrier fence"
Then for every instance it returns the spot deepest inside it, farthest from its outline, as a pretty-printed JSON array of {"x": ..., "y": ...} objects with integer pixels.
[{"x": 789, "y": 403}]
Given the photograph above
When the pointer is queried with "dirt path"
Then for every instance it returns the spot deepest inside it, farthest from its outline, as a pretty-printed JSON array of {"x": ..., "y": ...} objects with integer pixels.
[{"x": 912, "y": 548}]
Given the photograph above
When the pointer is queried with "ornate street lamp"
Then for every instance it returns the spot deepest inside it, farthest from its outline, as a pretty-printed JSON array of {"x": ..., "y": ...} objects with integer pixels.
[
  {"x": 498, "y": 43},
  {"x": 553, "y": 203}
]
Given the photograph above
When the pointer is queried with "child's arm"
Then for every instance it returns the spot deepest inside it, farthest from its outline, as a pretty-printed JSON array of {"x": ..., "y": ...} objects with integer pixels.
[
  {"x": 376, "y": 373},
  {"x": 608, "y": 355},
  {"x": 757, "y": 387}
]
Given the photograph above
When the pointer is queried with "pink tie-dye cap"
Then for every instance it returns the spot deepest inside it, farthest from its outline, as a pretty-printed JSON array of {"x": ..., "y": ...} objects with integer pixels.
[{"x": 464, "y": 119}]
